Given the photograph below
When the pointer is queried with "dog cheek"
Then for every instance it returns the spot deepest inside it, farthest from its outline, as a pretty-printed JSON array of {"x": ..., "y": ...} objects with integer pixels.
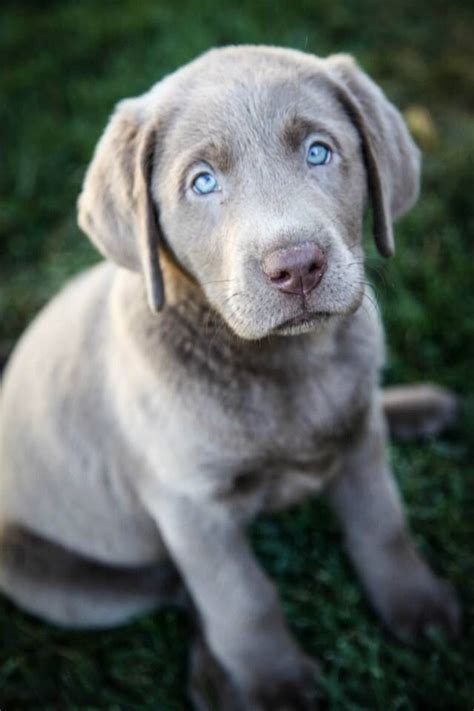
[{"x": 246, "y": 311}]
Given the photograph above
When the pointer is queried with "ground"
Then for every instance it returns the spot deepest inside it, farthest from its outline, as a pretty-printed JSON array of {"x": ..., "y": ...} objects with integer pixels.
[{"x": 64, "y": 64}]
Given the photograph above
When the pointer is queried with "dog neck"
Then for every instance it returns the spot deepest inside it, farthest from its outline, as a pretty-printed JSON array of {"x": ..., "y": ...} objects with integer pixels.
[{"x": 197, "y": 338}]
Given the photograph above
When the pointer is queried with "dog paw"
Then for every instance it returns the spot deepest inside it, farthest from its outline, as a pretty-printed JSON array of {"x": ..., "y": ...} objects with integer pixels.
[
  {"x": 213, "y": 689},
  {"x": 210, "y": 687},
  {"x": 296, "y": 692},
  {"x": 415, "y": 610}
]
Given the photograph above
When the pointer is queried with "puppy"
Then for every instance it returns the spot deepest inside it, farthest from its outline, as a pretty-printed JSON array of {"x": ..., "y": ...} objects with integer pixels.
[{"x": 139, "y": 436}]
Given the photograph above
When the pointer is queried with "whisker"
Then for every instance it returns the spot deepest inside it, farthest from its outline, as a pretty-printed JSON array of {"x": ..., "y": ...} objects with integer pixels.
[{"x": 217, "y": 281}]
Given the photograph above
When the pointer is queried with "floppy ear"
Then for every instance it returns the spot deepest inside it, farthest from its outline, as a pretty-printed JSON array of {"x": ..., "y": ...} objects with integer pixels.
[
  {"x": 116, "y": 208},
  {"x": 391, "y": 157}
]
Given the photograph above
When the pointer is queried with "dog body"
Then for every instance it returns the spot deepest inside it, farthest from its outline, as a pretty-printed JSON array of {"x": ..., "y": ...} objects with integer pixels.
[
  {"x": 129, "y": 439},
  {"x": 229, "y": 428}
]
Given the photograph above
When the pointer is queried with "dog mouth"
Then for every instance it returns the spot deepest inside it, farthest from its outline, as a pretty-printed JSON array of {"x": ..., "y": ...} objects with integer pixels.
[{"x": 304, "y": 318}]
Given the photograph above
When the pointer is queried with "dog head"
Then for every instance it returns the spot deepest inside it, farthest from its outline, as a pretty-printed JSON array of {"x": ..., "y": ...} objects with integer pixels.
[{"x": 252, "y": 167}]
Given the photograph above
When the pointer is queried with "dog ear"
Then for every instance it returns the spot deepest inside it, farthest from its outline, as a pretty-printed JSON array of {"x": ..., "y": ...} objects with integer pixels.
[
  {"x": 116, "y": 208},
  {"x": 391, "y": 157}
]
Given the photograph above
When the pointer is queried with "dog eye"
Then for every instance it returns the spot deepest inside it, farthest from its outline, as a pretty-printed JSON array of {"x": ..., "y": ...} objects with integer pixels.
[
  {"x": 204, "y": 184},
  {"x": 318, "y": 154}
]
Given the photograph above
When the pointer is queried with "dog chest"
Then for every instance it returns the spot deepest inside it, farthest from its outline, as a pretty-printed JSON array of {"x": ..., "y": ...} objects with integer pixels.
[{"x": 269, "y": 445}]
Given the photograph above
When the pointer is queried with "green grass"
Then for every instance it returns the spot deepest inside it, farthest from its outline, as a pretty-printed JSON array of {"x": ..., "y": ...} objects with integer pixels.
[{"x": 64, "y": 64}]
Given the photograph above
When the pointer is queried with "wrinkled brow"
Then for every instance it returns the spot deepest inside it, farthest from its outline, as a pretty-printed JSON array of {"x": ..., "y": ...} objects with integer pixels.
[
  {"x": 297, "y": 128},
  {"x": 218, "y": 156}
]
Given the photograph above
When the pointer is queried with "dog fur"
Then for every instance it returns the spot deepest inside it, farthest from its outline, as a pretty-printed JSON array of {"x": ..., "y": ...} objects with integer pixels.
[{"x": 136, "y": 446}]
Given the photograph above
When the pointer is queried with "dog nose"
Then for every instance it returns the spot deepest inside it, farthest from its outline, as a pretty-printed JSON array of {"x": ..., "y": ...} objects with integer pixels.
[{"x": 295, "y": 270}]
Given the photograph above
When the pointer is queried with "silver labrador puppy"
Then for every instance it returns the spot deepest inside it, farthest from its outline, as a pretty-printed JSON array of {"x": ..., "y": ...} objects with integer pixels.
[{"x": 130, "y": 439}]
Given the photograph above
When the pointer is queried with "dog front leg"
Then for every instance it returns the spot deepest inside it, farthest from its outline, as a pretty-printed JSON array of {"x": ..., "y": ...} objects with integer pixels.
[
  {"x": 237, "y": 605},
  {"x": 403, "y": 589}
]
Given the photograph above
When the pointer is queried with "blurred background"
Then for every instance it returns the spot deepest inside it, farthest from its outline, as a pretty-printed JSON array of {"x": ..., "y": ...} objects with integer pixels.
[{"x": 64, "y": 65}]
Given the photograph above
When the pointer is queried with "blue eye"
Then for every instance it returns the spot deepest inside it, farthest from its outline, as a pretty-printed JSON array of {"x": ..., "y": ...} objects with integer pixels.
[
  {"x": 204, "y": 184},
  {"x": 318, "y": 154}
]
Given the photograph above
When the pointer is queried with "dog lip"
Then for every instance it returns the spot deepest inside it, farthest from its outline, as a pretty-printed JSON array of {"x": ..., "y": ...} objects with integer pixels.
[{"x": 303, "y": 318}]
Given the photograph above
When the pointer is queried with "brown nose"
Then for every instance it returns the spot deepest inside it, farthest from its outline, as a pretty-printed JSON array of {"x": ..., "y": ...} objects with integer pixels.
[{"x": 295, "y": 270}]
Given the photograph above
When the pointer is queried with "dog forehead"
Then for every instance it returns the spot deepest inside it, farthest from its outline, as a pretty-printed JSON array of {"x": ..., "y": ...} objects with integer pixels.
[{"x": 238, "y": 110}]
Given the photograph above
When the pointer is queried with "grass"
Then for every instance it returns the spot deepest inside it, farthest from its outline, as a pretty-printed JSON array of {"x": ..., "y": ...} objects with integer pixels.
[{"x": 64, "y": 64}]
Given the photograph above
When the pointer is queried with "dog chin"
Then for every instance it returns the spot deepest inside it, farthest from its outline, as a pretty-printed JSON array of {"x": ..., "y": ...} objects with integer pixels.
[
  {"x": 316, "y": 323},
  {"x": 304, "y": 323}
]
